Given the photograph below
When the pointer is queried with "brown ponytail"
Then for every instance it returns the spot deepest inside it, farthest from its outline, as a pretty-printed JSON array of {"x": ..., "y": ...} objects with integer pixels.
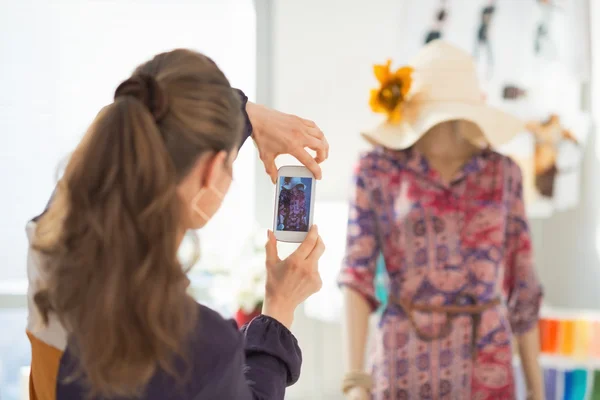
[{"x": 110, "y": 235}]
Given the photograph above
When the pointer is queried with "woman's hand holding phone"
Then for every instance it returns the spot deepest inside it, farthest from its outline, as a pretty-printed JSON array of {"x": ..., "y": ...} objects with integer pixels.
[
  {"x": 293, "y": 280},
  {"x": 278, "y": 133}
]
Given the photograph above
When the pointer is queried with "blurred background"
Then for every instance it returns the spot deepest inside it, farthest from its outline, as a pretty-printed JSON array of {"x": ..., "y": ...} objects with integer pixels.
[{"x": 62, "y": 60}]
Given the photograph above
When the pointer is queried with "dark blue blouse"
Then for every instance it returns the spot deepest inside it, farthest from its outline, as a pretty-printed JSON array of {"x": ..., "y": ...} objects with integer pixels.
[{"x": 257, "y": 362}]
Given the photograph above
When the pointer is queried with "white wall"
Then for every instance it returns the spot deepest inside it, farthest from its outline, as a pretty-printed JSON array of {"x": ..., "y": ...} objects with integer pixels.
[
  {"x": 323, "y": 51},
  {"x": 61, "y": 62},
  {"x": 568, "y": 244},
  {"x": 323, "y": 56}
]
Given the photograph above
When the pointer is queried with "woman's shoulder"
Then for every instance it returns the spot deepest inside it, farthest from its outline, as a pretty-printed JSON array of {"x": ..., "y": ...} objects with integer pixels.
[
  {"x": 215, "y": 346},
  {"x": 214, "y": 334}
]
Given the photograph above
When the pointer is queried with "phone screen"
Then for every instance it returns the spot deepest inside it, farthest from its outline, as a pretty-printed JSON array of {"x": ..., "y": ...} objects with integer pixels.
[{"x": 293, "y": 213}]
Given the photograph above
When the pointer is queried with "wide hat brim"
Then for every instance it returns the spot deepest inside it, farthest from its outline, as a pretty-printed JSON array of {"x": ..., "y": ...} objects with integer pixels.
[
  {"x": 290, "y": 187},
  {"x": 293, "y": 183},
  {"x": 497, "y": 127}
]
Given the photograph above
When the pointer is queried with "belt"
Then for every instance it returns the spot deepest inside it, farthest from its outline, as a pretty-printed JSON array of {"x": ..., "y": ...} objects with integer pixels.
[{"x": 474, "y": 310}]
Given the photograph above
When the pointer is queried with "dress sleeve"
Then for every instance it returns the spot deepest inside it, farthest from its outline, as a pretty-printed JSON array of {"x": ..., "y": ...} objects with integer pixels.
[
  {"x": 265, "y": 360},
  {"x": 247, "y": 124},
  {"x": 362, "y": 243},
  {"x": 302, "y": 206},
  {"x": 284, "y": 206},
  {"x": 523, "y": 289}
]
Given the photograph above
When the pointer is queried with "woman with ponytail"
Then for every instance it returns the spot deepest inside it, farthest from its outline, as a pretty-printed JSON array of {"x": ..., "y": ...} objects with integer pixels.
[{"x": 110, "y": 316}]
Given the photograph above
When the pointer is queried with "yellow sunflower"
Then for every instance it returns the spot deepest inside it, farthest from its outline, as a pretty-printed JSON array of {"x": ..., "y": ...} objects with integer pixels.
[{"x": 394, "y": 87}]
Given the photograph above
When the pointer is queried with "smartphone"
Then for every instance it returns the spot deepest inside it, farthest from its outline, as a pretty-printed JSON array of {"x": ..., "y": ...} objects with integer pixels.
[{"x": 294, "y": 203}]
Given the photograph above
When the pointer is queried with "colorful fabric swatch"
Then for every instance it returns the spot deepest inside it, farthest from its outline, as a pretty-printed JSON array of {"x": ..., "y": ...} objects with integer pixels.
[
  {"x": 566, "y": 376},
  {"x": 520, "y": 386},
  {"x": 581, "y": 348},
  {"x": 575, "y": 384},
  {"x": 549, "y": 332},
  {"x": 595, "y": 340},
  {"x": 567, "y": 337},
  {"x": 550, "y": 382},
  {"x": 595, "y": 393}
]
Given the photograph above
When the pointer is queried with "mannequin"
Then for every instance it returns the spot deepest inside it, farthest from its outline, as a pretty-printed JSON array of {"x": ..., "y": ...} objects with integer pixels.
[
  {"x": 447, "y": 213},
  {"x": 446, "y": 151}
]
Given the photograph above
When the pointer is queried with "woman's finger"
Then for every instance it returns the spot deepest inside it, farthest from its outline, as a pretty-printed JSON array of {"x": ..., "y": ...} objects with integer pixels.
[
  {"x": 271, "y": 249},
  {"x": 309, "y": 243},
  {"x": 323, "y": 143},
  {"x": 326, "y": 147},
  {"x": 322, "y": 154},
  {"x": 309, "y": 162},
  {"x": 271, "y": 169},
  {"x": 313, "y": 129},
  {"x": 321, "y": 147},
  {"x": 317, "y": 252}
]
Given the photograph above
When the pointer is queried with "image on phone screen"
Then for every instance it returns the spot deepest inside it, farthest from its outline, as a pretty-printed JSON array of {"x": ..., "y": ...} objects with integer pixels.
[{"x": 293, "y": 213}]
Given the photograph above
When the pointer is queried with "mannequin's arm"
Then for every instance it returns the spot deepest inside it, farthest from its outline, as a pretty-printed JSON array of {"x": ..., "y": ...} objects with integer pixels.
[
  {"x": 524, "y": 292},
  {"x": 529, "y": 352},
  {"x": 356, "y": 329},
  {"x": 358, "y": 273}
]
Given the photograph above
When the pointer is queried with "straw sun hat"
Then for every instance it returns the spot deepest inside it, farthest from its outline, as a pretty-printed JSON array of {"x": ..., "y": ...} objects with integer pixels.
[
  {"x": 293, "y": 182},
  {"x": 439, "y": 85}
]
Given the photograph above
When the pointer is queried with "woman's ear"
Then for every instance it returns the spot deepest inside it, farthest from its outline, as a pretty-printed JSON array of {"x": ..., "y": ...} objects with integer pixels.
[{"x": 214, "y": 169}]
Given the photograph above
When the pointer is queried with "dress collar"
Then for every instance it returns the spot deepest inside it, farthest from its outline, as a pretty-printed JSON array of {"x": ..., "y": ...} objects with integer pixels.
[{"x": 415, "y": 161}]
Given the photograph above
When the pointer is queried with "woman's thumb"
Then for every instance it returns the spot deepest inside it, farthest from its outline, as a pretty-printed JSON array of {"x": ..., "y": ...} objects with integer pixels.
[
  {"x": 271, "y": 169},
  {"x": 271, "y": 248}
]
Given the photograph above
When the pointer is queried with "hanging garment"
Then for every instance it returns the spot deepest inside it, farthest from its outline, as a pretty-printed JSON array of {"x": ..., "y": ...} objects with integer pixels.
[
  {"x": 440, "y": 18},
  {"x": 483, "y": 37}
]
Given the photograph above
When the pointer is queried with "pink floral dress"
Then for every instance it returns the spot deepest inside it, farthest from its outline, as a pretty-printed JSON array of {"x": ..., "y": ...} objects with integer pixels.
[
  {"x": 292, "y": 209},
  {"x": 441, "y": 244}
]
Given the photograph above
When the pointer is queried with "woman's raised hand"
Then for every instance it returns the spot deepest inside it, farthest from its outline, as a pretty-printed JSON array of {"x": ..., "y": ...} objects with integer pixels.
[{"x": 293, "y": 280}]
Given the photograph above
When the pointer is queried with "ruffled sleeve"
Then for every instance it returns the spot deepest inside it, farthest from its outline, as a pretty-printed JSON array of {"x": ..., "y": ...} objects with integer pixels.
[
  {"x": 267, "y": 361},
  {"x": 362, "y": 244},
  {"x": 271, "y": 349},
  {"x": 523, "y": 289},
  {"x": 258, "y": 362}
]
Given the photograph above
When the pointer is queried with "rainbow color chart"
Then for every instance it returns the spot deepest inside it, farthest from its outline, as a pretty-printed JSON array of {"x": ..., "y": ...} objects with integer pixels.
[{"x": 570, "y": 345}]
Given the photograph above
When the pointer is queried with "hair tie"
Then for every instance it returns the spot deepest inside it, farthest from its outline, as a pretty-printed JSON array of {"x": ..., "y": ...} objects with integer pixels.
[{"x": 147, "y": 90}]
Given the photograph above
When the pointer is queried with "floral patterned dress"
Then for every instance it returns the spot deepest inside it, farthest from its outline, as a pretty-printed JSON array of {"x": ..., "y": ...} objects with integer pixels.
[
  {"x": 292, "y": 209},
  {"x": 441, "y": 243}
]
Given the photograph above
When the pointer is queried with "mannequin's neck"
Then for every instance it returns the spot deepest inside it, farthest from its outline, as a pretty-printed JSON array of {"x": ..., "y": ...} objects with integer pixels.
[{"x": 445, "y": 141}]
